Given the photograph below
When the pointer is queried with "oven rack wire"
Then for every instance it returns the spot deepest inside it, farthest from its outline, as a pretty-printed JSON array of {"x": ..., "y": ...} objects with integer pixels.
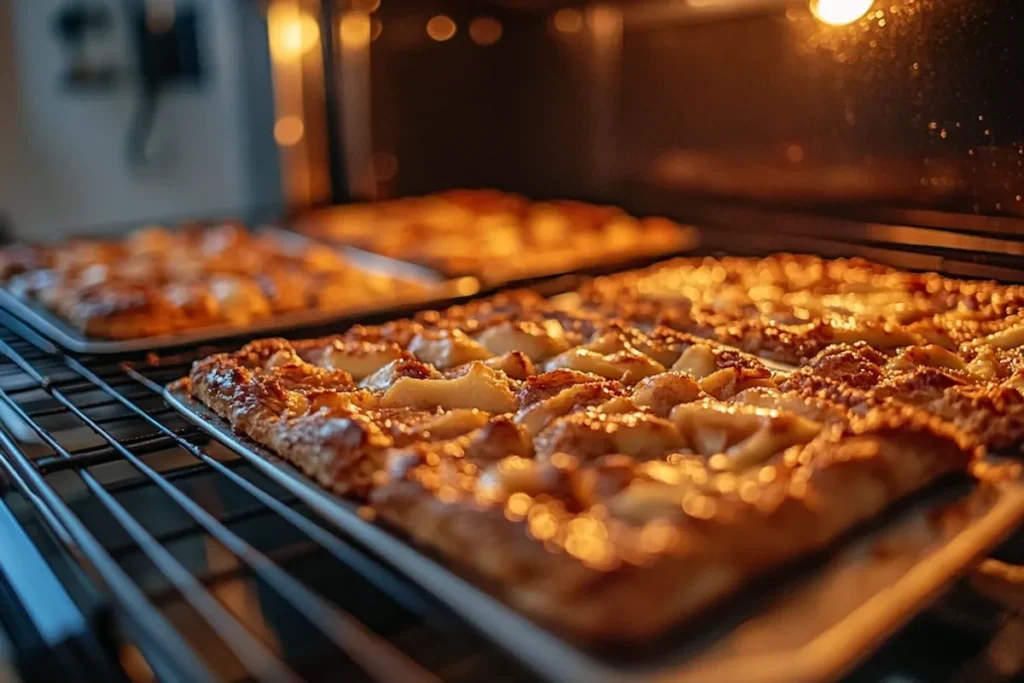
[{"x": 133, "y": 491}]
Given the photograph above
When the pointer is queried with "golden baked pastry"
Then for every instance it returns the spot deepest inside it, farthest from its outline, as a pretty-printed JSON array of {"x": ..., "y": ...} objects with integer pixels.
[
  {"x": 157, "y": 282},
  {"x": 608, "y": 479},
  {"x": 495, "y": 236},
  {"x": 865, "y": 335},
  {"x": 976, "y": 390},
  {"x": 789, "y": 307}
]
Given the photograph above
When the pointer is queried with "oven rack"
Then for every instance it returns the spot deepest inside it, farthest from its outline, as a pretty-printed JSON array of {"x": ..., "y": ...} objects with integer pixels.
[
  {"x": 212, "y": 571},
  {"x": 207, "y": 570}
]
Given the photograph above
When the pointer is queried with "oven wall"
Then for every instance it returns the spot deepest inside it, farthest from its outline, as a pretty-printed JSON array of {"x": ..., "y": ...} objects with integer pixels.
[
  {"x": 518, "y": 114},
  {"x": 915, "y": 105},
  {"x": 911, "y": 106}
]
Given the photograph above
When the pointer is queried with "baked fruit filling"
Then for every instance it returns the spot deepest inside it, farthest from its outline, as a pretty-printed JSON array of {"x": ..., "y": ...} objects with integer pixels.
[
  {"x": 157, "y": 282},
  {"x": 790, "y": 307},
  {"x": 494, "y": 235},
  {"x": 611, "y": 474}
]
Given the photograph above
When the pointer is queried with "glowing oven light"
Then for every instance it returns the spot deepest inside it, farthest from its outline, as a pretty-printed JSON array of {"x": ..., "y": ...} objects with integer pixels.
[
  {"x": 485, "y": 31},
  {"x": 568, "y": 21},
  {"x": 839, "y": 12},
  {"x": 288, "y": 130},
  {"x": 441, "y": 28},
  {"x": 356, "y": 30},
  {"x": 292, "y": 33}
]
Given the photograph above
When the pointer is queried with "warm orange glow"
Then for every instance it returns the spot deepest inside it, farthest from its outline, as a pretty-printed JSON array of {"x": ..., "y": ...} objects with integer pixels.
[
  {"x": 134, "y": 664},
  {"x": 485, "y": 31},
  {"x": 376, "y": 27},
  {"x": 568, "y": 21},
  {"x": 604, "y": 22},
  {"x": 355, "y": 30},
  {"x": 288, "y": 130},
  {"x": 441, "y": 28},
  {"x": 366, "y": 6},
  {"x": 517, "y": 505},
  {"x": 839, "y": 12},
  {"x": 291, "y": 33}
]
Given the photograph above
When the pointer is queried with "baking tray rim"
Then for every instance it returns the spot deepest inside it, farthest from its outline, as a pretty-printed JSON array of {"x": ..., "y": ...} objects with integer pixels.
[
  {"x": 441, "y": 289},
  {"x": 827, "y": 655},
  {"x": 690, "y": 238}
]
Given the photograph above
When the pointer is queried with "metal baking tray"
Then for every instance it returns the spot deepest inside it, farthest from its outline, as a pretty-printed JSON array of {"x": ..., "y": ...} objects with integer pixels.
[
  {"x": 61, "y": 332},
  {"x": 811, "y": 622},
  {"x": 689, "y": 239}
]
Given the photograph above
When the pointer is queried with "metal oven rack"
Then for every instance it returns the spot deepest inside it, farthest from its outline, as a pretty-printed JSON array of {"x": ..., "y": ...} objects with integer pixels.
[
  {"x": 161, "y": 554},
  {"x": 211, "y": 571}
]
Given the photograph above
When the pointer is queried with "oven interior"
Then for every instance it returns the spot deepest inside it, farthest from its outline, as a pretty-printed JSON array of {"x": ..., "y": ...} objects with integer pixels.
[{"x": 155, "y": 553}]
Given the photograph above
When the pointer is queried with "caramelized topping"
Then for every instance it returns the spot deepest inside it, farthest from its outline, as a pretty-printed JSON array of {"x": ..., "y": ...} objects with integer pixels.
[
  {"x": 158, "y": 282},
  {"x": 609, "y": 471}
]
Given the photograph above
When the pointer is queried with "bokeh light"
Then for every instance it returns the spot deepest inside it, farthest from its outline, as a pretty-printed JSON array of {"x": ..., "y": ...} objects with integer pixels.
[{"x": 840, "y": 12}]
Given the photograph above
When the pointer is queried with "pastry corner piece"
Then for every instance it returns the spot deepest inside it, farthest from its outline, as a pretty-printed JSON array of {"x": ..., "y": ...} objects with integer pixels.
[{"x": 607, "y": 479}]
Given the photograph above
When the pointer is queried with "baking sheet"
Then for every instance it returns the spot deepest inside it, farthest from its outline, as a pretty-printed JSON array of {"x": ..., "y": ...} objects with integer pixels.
[
  {"x": 688, "y": 239},
  {"x": 812, "y": 629},
  {"x": 58, "y": 330},
  {"x": 639, "y": 258}
]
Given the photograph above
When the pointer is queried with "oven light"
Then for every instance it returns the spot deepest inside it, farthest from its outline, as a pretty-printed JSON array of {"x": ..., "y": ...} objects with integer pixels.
[
  {"x": 441, "y": 28},
  {"x": 356, "y": 30},
  {"x": 839, "y": 12},
  {"x": 568, "y": 21},
  {"x": 288, "y": 130},
  {"x": 292, "y": 32},
  {"x": 485, "y": 31}
]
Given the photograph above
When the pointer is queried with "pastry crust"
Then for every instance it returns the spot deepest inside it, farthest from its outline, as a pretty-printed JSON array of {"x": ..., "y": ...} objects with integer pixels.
[
  {"x": 610, "y": 499},
  {"x": 791, "y": 307},
  {"x": 496, "y": 236},
  {"x": 976, "y": 391},
  {"x": 155, "y": 282}
]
